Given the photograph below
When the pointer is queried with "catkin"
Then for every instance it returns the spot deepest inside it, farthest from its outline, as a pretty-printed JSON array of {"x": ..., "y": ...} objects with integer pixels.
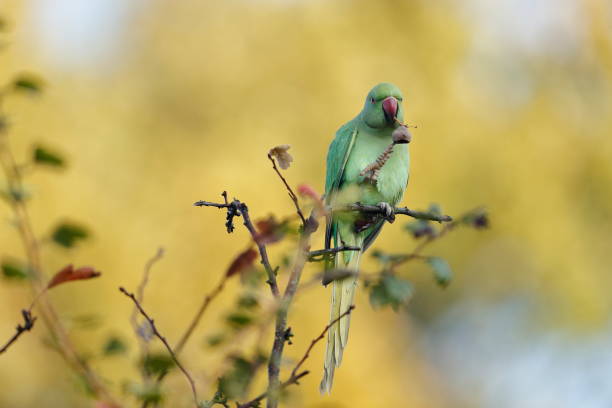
[{"x": 380, "y": 161}]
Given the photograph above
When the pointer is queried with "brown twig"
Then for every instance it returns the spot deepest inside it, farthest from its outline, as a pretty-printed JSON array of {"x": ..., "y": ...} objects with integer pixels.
[
  {"x": 198, "y": 316},
  {"x": 165, "y": 342},
  {"x": 289, "y": 190},
  {"x": 237, "y": 208},
  {"x": 295, "y": 376},
  {"x": 28, "y": 324},
  {"x": 280, "y": 331},
  {"x": 31, "y": 246}
]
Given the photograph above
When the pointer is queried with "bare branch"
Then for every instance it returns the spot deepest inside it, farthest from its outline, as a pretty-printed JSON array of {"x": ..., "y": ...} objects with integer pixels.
[
  {"x": 198, "y": 316},
  {"x": 28, "y": 324},
  {"x": 280, "y": 331},
  {"x": 165, "y": 342},
  {"x": 289, "y": 190},
  {"x": 295, "y": 376},
  {"x": 237, "y": 208}
]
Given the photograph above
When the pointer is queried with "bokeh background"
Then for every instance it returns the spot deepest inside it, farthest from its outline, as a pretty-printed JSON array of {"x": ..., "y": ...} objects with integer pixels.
[{"x": 157, "y": 104}]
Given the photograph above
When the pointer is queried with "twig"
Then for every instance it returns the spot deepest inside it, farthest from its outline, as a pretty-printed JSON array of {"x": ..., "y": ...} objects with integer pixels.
[
  {"x": 331, "y": 251},
  {"x": 140, "y": 295},
  {"x": 198, "y": 316},
  {"x": 163, "y": 340},
  {"x": 295, "y": 376},
  {"x": 237, "y": 208},
  {"x": 373, "y": 209},
  {"x": 28, "y": 324},
  {"x": 29, "y": 240},
  {"x": 289, "y": 190}
]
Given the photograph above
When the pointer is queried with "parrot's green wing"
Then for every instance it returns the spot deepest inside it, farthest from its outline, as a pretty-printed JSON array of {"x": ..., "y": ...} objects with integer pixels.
[{"x": 337, "y": 156}]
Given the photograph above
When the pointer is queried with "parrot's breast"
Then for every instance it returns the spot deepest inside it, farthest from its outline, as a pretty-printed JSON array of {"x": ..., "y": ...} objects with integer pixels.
[{"x": 392, "y": 177}]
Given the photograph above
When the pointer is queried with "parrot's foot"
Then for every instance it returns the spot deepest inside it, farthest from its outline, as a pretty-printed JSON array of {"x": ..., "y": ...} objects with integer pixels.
[{"x": 388, "y": 211}]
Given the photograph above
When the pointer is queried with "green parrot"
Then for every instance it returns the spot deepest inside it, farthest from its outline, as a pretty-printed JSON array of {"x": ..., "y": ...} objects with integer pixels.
[{"x": 357, "y": 144}]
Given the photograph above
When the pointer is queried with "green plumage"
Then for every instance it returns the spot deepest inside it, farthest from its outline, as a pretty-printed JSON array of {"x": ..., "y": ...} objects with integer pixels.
[{"x": 357, "y": 144}]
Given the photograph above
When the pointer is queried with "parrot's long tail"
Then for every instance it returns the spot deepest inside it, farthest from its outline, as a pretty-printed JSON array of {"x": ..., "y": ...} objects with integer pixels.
[{"x": 343, "y": 292}]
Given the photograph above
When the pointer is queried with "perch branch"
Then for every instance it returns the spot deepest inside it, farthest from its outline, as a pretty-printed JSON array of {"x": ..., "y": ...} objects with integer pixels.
[
  {"x": 373, "y": 209},
  {"x": 323, "y": 253}
]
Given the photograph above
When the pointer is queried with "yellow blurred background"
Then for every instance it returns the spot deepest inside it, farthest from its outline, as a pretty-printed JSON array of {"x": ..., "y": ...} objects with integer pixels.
[{"x": 157, "y": 104}]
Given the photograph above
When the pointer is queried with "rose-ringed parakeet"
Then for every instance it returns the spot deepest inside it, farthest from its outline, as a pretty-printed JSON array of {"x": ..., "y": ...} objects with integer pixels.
[{"x": 356, "y": 146}]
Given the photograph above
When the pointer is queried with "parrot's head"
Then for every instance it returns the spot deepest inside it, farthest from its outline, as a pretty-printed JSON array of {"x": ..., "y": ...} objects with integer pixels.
[{"x": 383, "y": 106}]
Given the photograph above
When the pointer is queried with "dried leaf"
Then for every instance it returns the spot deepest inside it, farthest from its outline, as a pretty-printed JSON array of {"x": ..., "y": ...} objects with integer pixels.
[
  {"x": 401, "y": 135},
  {"x": 242, "y": 262},
  {"x": 282, "y": 155},
  {"x": 69, "y": 274}
]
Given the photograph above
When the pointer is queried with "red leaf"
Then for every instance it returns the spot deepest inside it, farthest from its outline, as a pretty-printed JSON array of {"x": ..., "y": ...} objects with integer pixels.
[
  {"x": 269, "y": 231},
  {"x": 68, "y": 273},
  {"x": 243, "y": 261},
  {"x": 306, "y": 191}
]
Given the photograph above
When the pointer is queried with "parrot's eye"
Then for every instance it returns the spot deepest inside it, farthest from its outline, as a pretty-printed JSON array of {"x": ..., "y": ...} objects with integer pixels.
[{"x": 372, "y": 100}]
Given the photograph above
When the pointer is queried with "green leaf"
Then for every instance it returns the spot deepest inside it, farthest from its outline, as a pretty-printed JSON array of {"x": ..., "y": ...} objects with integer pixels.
[
  {"x": 248, "y": 301},
  {"x": 14, "y": 270},
  {"x": 147, "y": 393},
  {"x": 219, "y": 398},
  {"x": 238, "y": 320},
  {"x": 441, "y": 269},
  {"x": 44, "y": 156},
  {"x": 236, "y": 381},
  {"x": 114, "y": 346},
  {"x": 28, "y": 83},
  {"x": 68, "y": 234},
  {"x": 215, "y": 339},
  {"x": 157, "y": 363},
  {"x": 390, "y": 291}
]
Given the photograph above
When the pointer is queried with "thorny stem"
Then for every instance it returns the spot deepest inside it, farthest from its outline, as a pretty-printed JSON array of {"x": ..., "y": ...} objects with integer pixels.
[
  {"x": 312, "y": 256},
  {"x": 295, "y": 376},
  {"x": 165, "y": 342},
  {"x": 28, "y": 238},
  {"x": 303, "y": 250}
]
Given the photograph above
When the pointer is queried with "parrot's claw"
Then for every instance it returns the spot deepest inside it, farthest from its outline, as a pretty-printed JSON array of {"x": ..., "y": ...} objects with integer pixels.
[{"x": 389, "y": 212}]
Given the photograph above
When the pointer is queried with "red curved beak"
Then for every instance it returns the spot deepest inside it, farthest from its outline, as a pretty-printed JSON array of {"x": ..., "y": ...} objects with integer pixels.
[{"x": 389, "y": 106}]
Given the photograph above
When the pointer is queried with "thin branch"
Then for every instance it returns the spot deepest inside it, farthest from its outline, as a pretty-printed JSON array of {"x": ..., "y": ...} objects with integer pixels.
[
  {"x": 140, "y": 296},
  {"x": 31, "y": 246},
  {"x": 295, "y": 376},
  {"x": 28, "y": 324},
  {"x": 198, "y": 316},
  {"x": 165, "y": 342},
  {"x": 289, "y": 190},
  {"x": 373, "y": 209},
  {"x": 323, "y": 253},
  {"x": 237, "y": 208}
]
